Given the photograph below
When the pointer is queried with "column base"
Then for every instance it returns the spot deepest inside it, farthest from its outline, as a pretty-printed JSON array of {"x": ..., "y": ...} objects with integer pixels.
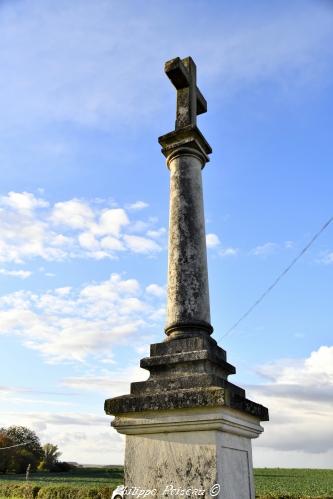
[
  {"x": 188, "y": 329},
  {"x": 198, "y": 452}
]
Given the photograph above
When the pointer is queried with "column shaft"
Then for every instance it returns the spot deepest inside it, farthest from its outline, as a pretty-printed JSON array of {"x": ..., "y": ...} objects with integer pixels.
[{"x": 188, "y": 293}]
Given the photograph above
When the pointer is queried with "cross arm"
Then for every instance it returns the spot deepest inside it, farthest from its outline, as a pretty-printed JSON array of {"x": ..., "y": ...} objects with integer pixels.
[
  {"x": 177, "y": 73},
  {"x": 201, "y": 103}
]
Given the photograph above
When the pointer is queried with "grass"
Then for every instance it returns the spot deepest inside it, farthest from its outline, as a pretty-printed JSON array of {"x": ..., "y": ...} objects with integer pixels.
[
  {"x": 284, "y": 482},
  {"x": 277, "y": 483},
  {"x": 111, "y": 476},
  {"x": 81, "y": 483}
]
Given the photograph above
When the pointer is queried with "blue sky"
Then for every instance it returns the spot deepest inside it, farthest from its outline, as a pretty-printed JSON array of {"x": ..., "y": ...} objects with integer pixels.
[{"x": 84, "y": 208}]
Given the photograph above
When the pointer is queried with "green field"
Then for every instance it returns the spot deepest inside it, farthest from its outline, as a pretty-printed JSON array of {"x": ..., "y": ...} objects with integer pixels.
[
  {"x": 288, "y": 482},
  {"x": 97, "y": 482},
  {"x": 80, "y": 476}
]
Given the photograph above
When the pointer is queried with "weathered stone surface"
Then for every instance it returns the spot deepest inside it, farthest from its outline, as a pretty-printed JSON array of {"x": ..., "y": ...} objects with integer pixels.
[
  {"x": 190, "y": 101},
  {"x": 190, "y": 449},
  {"x": 166, "y": 400},
  {"x": 188, "y": 292},
  {"x": 185, "y": 461},
  {"x": 189, "y": 343},
  {"x": 198, "y": 380},
  {"x": 189, "y": 136},
  {"x": 186, "y": 372}
]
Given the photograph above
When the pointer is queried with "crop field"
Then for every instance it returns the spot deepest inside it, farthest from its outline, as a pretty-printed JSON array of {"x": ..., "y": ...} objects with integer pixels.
[
  {"x": 98, "y": 483},
  {"x": 80, "y": 476},
  {"x": 293, "y": 483}
]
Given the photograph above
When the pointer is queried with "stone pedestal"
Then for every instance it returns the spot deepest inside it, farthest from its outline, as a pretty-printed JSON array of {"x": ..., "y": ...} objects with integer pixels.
[
  {"x": 187, "y": 426},
  {"x": 199, "y": 452}
]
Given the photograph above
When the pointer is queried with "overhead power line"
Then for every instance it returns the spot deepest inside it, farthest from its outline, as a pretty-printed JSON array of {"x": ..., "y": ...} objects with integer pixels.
[
  {"x": 17, "y": 445},
  {"x": 278, "y": 279}
]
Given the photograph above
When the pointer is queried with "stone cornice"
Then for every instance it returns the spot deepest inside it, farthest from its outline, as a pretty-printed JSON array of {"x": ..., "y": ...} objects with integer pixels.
[
  {"x": 188, "y": 140},
  {"x": 219, "y": 419}
]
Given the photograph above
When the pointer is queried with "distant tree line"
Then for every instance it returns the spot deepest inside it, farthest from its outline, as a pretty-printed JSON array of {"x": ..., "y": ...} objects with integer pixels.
[{"x": 21, "y": 447}]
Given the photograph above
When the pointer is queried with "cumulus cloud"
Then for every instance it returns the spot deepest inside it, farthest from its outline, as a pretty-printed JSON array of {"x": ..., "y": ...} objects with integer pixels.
[
  {"x": 212, "y": 240},
  {"x": 31, "y": 228},
  {"x": 111, "y": 222},
  {"x": 67, "y": 324},
  {"x": 299, "y": 395},
  {"x": 139, "y": 244},
  {"x": 228, "y": 251},
  {"x": 155, "y": 290},
  {"x": 156, "y": 233},
  {"x": 318, "y": 366},
  {"x": 22, "y": 201},
  {"x": 270, "y": 248},
  {"x": 138, "y": 205},
  {"x": 22, "y": 274},
  {"x": 74, "y": 213}
]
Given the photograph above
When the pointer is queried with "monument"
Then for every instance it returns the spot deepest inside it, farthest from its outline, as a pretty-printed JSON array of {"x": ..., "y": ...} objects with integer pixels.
[{"x": 188, "y": 429}]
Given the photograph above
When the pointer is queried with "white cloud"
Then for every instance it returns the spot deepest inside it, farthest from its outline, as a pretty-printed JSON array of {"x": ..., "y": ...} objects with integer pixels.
[
  {"x": 155, "y": 290},
  {"x": 156, "y": 233},
  {"x": 139, "y": 244},
  {"x": 270, "y": 248},
  {"x": 139, "y": 205},
  {"x": 111, "y": 243},
  {"x": 22, "y": 201},
  {"x": 88, "y": 241},
  {"x": 158, "y": 314},
  {"x": 67, "y": 324},
  {"x": 327, "y": 259},
  {"x": 298, "y": 395},
  {"x": 111, "y": 222},
  {"x": 74, "y": 213},
  {"x": 316, "y": 368},
  {"x": 265, "y": 249},
  {"x": 228, "y": 251},
  {"x": 31, "y": 228},
  {"x": 63, "y": 291},
  {"x": 22, "y": 274},
  {"x": 289, "y": 244},
  {"x": 212, "y": 240},
  {"x": 110, "y": 384}
]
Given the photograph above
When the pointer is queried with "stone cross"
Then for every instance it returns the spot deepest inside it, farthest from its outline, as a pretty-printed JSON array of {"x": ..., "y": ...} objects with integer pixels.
[
  {"x": 190, "y": 101},
  {"x": 187, "y": 427}
]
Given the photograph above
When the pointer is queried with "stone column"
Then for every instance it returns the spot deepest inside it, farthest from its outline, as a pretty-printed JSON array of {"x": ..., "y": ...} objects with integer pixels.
[
  {"x": 187, "y": 427},
  {"x": 188, "y": 293}
]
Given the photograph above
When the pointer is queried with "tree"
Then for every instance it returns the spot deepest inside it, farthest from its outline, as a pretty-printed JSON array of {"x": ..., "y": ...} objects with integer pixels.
[
  {"x": 5, "y": 454},
  {"x": 30, "y": 452},
  {"x": 50, "y": 459}
]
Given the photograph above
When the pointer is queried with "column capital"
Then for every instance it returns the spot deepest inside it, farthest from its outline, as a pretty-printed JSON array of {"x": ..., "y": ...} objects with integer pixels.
[{"x": 188, "y": 141}]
